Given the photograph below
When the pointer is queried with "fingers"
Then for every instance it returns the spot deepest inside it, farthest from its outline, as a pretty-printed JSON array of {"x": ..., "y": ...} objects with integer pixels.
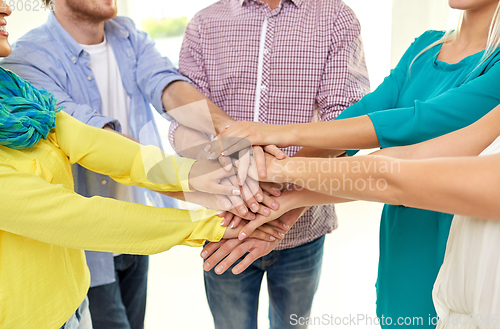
[
  {"x": 228, "y": 190},
  {"x": 227, "y": 218},
  {"x": 271, "y": 231},
  {"x": 236, "y": 221},
  {"x": 233, "y": 257},
  {"x": 279, "y": 224},
  {"x": 271, "y": 203},
  {"x": 237, "y": 202},
  {"x": 217, "y": 252},
  {"x": 226, "y": 163},
  {"x": 211, "y": 248},
  {"x": 236, "y": 144},
  {"x": 247, "y": 261},
  {"x": 248, "y": 229},
  {"x": 271, "y": 188},
  {"x": 243, "y": 165},
  {"x": 260, "y": 161},
  {"x": 275, "y": 151}
]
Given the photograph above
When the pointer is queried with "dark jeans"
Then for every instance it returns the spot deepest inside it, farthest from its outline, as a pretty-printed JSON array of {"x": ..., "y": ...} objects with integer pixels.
[
  {"x": 121, "y": 304},
  {"x": 292, "y": 279}
]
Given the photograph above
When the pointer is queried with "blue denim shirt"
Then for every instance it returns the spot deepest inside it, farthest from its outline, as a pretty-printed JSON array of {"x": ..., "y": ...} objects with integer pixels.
[{"x": 50, "y": 58}]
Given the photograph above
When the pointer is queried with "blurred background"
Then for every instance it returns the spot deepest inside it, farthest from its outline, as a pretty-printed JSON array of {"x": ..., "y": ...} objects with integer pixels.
[{"x": 176, "y": 297}]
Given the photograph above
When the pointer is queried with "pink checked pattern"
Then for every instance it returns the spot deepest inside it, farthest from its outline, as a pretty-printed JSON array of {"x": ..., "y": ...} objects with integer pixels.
[{"x": 313, "y": 67}]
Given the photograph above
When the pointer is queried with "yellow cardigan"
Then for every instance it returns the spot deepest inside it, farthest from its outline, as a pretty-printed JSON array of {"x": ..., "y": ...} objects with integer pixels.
[{"x": 45, "y": 225}]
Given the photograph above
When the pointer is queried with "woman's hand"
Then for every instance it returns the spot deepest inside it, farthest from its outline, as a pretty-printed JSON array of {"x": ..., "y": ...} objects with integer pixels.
[
  {"x": 205, "y": 176},
  {"x": 288, "y": 201},
  {"x": 264, "y": 232}
]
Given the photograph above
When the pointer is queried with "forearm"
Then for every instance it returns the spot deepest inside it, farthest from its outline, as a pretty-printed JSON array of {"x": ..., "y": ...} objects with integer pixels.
[
  {"x": 466, "y": 186},
  {"x": 348, "y": 134},
  {"x": 189, "y": 143},
  {"x": 199, "y": 113},
  {"x": 311, "y": 152},
  {"x": 122, "y": 159},
  {"x": 56, "y": 215}
]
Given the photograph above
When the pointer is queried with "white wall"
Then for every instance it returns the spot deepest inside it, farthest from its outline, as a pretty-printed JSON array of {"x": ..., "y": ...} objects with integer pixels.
[{"x": 410, "y": 18}]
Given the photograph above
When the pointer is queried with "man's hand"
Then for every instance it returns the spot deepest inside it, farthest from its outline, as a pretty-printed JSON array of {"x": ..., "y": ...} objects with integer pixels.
[{"x": 234, "y": 249}]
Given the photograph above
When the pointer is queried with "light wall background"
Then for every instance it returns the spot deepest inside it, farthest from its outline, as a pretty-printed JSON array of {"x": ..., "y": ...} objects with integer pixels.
[{"x": 176, "y": 293}]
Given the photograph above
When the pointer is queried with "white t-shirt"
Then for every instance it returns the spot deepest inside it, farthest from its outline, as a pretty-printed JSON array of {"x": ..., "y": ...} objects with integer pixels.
[{"x": 115, "y": 102}]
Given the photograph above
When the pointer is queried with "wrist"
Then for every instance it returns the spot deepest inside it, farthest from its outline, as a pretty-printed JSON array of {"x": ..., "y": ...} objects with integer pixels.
[{"x": 222, "y": 123}]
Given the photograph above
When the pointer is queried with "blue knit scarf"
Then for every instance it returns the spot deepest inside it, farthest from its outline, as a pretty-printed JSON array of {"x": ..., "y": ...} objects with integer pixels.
[{"x": 26, "y": 113}]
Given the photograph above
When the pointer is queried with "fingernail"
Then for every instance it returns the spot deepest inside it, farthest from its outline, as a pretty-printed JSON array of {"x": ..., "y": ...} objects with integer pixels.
[
  {"x": 280, "y": 234},
  {"x": 259, "y": 197},
  {"x": 236, "y": 192},
  {"x": 239, "y": 182},
  {"x": 204, "y": 254},
  {"x": 277, "y": 192},
  {"x": 263, "y": 174},
  {"x": 223, "y": 153},
  {"x": 275, "y": 205},
  {"x": 285, "y": 226},
  {"x": 242, "y": 236},
  {"x": 266, "y": 211},
  {"x": 232, "y": 224},
  {"x": 219, "y": 269},
  {"x": 211, "y": 156},
  {"x": 220, "y": 213},
  {"x": 272, "y": 238},
  {"x": 243, "y": 210},
  {"x": 226, "y": 204},
  {"x": 207, "y": 148},
  {"x": 252, "y": 216},
  {"x": 282, "y": 155},
  {"x": 255, "y": 207},
  {"x": 206, "y": 266}
]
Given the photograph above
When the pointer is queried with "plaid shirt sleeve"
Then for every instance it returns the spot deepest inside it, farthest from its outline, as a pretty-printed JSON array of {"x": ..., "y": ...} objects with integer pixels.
[
  {"x": 191, "y": 65},
  {"x": 345, "y": 79}
]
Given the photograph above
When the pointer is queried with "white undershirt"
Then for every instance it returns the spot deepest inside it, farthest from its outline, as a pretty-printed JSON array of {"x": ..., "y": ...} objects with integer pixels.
[{"x": 115, "y": 102}]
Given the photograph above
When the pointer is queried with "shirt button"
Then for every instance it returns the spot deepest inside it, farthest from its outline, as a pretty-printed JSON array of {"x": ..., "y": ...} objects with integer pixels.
[
  {"x": 73, "y": 59},
  {"x": 266, "y": 51},
  {"x": 89, "y": 78},
  {"x": 85, "y": 54},
  {"x": 217, "y": 238},
  {"x": 263, "y": 87},
  {"x": 104, "y": 182}
]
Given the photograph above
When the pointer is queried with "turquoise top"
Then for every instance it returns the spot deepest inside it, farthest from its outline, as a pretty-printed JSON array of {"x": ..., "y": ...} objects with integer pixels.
[{"x": 409, "y": 107}]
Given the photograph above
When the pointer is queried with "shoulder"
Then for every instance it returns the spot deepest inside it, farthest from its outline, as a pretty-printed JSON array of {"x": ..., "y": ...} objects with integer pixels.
[
  {"x": 427, "y": 38},
  {"x": 37, "y": 40}
]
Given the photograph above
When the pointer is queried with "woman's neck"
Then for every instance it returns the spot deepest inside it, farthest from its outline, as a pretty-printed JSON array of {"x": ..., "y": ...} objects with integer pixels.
[{"x": 472, "y": 38}]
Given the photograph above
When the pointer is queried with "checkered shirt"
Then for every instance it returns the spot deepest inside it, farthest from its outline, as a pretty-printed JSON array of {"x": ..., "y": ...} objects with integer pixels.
[{"x": 309, "y": 65}]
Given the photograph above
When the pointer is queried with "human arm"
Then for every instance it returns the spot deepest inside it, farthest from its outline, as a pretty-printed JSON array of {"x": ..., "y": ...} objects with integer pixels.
[
  {"x": 466, "y": 186},
  {"x": 191, "y": 106},
  {"x": 45, "y": 71},
  {"x": 234, "y": 249},
  {"x": 468, "y": 141}
]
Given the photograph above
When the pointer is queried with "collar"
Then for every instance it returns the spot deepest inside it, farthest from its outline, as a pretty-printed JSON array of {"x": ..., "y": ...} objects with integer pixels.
[
  {"x": 71, "y": 47},
  {"x": 297, "y": 3}
]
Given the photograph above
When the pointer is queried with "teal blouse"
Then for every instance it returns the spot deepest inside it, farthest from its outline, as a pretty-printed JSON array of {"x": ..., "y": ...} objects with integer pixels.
[{"x": 430, "y": 99}]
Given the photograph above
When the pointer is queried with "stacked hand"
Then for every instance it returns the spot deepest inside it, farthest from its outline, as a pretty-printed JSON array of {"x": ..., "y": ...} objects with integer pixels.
[{"x": 235, "y": 165}]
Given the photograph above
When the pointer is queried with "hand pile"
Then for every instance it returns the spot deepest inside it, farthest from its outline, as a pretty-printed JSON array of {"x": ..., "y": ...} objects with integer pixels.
[{"x": 232, "y": 176}]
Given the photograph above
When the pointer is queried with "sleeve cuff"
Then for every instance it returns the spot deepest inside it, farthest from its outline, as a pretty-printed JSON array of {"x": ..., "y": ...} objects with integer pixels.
[
  {"x": 208, "y": 227},
  {"x": 101, "y": 121},
  {"x": 184, "y": 166},
  {"x": 157, "y": 97}
]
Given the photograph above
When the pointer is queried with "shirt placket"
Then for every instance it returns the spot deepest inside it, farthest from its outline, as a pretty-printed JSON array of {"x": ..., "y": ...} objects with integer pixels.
[{"x": 264, "y": 69}]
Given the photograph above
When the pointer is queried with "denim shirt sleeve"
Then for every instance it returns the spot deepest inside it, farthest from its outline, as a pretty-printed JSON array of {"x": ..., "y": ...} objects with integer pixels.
[
  {"x": 154, "y": 71},
  {"x": 45, "y": 73}
]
